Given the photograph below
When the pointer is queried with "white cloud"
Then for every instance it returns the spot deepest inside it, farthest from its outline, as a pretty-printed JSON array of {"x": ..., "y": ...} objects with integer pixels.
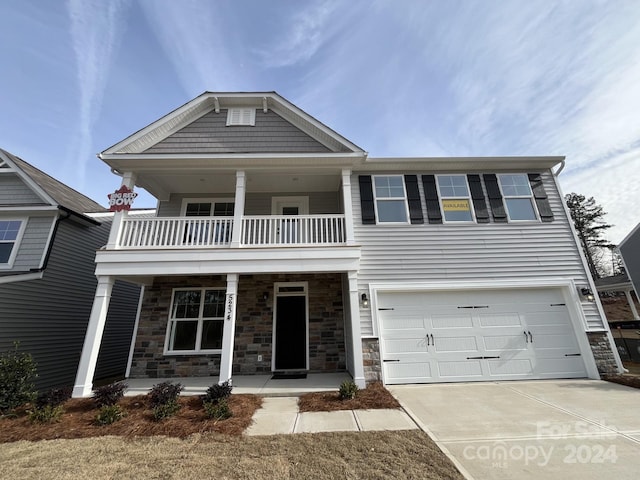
[{"x": 96, "y": 29}]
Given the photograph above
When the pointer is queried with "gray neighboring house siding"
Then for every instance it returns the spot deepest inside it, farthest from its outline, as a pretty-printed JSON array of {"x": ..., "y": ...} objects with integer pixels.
[
  {"x": 209, "y": 134},
  {"x": 630, "y": 251},
  {"x": 48, "y": 316},
  {"x": 448, "y": 252}
]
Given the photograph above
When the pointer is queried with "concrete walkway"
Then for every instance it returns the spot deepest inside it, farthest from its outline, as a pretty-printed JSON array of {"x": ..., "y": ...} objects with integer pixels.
[
  {"x": 564, "y": 429},
  {"x": 280, "y": 415}
]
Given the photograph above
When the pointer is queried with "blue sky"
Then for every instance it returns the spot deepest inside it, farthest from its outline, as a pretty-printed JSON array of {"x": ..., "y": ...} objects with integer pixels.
[{"x": 398, "y": 78}]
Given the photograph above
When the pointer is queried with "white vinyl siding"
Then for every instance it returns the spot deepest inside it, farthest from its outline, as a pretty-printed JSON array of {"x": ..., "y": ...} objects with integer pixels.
[{"x": 459, "y": 252}]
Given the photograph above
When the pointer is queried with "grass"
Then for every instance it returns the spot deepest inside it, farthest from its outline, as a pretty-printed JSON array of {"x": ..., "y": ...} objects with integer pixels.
[{"x": 352, "y": 455}]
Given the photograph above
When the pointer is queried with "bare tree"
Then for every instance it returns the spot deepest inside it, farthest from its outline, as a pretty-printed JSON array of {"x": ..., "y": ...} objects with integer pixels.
[{"x": 588, "y": 219}]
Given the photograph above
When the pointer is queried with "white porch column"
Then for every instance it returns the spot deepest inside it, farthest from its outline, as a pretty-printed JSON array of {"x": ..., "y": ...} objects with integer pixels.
[
  {"x": 348, "y": 209},
  {"x": 93, "y": 338},
  {"x": 356, "y": 336},
  {"x": 634, "y": 310},
  {"x": 129, "y": 181},
  {"x": 238, "y": 211},
  {"x": 229, "y": 329}
]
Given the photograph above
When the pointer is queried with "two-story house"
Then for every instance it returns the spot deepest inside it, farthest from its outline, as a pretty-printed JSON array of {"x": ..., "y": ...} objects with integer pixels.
[
  {"x": 48, "y": 237},
  {"x": 281, "y": 246}
]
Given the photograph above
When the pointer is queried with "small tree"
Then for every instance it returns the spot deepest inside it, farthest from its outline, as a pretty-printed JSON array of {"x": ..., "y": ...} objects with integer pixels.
[
  {"x": 588, "y": 220},
  {"x": 17, "y": 372}
]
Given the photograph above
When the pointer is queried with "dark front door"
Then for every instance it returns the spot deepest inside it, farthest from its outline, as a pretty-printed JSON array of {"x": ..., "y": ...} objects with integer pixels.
[{"x": 291, "y": 333}]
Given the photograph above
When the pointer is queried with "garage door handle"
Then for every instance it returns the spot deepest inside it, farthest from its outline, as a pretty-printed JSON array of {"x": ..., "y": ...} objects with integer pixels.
[
  {"x": 433, "y": 342},
  {"x": 391, "y": 361},
  {"x": 530, "y": 337}
]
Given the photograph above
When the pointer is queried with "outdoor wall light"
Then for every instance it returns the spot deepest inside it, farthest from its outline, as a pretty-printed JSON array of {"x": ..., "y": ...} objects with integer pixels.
[
  {"x": 364, "y": 301},
  {"x": 587, "y": 294}
]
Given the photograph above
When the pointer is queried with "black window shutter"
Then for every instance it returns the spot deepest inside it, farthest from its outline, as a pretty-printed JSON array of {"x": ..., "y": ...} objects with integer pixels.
[
  {"x": 479, "y": 202},
  {"x": 431, "y": 197},
  {"x": 539, "y": 193},
  {"x": 366, "y": 200},
  {"x": 413, "y": 197},
  {"x": 495, "y": 198}
]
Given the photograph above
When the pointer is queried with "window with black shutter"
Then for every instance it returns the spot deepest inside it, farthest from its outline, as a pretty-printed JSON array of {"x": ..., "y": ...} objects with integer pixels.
[
  {"x": 366, "y": 200},
  {"x": 518, "y": 197},
  {"x": 413, "y": 199},
  {"x": 431, "y": 198},
  {"x": 479, "y": 202},
  {"x": 495, "y": 198},
  {"x": 539, "y": 193}
]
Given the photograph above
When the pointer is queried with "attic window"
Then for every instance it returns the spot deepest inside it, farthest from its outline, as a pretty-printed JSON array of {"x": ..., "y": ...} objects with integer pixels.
[{"x": 241, "y": 116}]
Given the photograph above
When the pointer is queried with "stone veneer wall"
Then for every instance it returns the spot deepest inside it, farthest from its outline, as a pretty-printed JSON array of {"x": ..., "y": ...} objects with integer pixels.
[
  {"x": 254, "y": 326},
  {"x": 371, "y": 360},
  {"x": 604, "y": 357}
]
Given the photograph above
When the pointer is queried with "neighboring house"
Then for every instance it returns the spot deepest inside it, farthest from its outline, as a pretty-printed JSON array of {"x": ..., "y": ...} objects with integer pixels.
[
  {"x": 619, "y": 283},
  {"x": 279, "y": 245},
  {"x": 630, "y": 252},
  {"x": 48, "y": 241}
]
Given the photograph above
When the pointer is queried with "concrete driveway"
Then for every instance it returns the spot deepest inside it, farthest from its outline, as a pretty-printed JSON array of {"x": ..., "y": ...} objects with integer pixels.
[{"x": 566, "y": 429}]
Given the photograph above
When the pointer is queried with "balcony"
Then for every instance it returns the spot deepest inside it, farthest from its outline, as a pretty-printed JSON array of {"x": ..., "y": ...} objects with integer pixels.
[{"x": 217, "y": 232}]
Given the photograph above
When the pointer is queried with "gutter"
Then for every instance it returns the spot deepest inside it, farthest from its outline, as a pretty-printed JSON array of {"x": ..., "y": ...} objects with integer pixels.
[{"x": 559, "y": 170}]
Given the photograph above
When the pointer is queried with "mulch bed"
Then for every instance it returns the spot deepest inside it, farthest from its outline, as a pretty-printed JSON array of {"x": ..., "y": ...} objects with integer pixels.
[
  {"x": 628, "y": 380},
  {"x": 374, "y": 396},
  {"x": 78, "y": 421}
]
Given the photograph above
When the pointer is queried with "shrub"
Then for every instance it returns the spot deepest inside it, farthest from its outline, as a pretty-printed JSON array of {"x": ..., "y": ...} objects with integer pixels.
[
  {"x": 348, "y": 390},
  {"x": 217, "y": 392},
  {"x": 53, "y": 397},
  {"x": 165, "y": 410},
  {"x": 218, "y": 409},
  {"x": 17, "y": 372},
  {"x": 109, "y": 395},
  {"x": 164, "y": 393},
  {"x": 109, "y": 414},
  {"x": 46, "y": 414}
]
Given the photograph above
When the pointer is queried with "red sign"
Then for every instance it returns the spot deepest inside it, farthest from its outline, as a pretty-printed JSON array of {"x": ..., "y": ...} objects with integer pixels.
[{"x": 121, "y": 199}]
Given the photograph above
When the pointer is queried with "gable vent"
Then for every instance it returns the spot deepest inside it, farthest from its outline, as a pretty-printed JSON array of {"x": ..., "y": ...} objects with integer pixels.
[{"x": 241, "y": 116}]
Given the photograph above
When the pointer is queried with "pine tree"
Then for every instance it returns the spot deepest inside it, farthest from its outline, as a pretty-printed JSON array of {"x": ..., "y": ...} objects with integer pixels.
[{"x": 587, "y": 218}]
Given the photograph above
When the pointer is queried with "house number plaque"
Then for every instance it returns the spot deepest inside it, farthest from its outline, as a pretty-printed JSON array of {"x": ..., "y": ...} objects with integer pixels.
[{"x": 229, "y": 306}]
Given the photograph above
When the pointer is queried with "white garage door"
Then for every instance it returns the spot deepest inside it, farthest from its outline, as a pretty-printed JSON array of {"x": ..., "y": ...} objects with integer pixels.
[{"x": 477, "y": 336}]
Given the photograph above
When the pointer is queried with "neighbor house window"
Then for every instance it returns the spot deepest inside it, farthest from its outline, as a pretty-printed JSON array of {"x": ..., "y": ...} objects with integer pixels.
[
  {"x": 10, "y": 234},
  {"x": 518, "y": 197},
  {"x": 391, "y": 199},
  {"x": 455, "y": 199},
  {"x": 241, "y": 116},
  {"x": 196, "y": 321}
]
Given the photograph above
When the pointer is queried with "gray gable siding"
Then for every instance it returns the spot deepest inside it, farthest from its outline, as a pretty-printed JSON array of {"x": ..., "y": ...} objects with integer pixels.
[
  {"x": 49, "y": 316},
  {"x": 209, "y": 134},
  {"x": 490, "y": 251},
  {"x": 630, "y": 251},
  {"x": 32, "y": 248},
  {"x": 13, "y": 191},
  {"x": 258, "y": 203}
]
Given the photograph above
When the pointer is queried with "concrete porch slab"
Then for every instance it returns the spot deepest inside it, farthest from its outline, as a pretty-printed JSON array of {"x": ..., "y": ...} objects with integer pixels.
[{"x": 248, "y": 384}]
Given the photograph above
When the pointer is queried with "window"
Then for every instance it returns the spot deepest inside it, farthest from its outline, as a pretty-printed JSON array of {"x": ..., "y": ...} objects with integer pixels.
[
  {"x": 518, "y": 197},
  {"x": 391, "y": 199},
  {"x": 454, "y": 198},
  {"x": 241, "y": 116},
  {"x": 10, "y": 234},
  {"x": 196, "y": 321},
  {"x": 218, "y": 232},
  {"x": 205, "y": 207}
]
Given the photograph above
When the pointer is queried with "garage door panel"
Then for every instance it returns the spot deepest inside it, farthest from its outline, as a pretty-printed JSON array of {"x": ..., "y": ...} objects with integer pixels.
[
  {"x": 405, "y": 346},
  {"x": 456, "y": 344},
  {"x": 549, "y": 318},
  {"x": 408, "y": 372},
  {"x": 493, "y": 343},
  {"x": 402, "y": 322},
  {"x": 491, "y": 319},
  {"x": 512, "y": 367},
  {"x": 567, "y": 367},
  {"x": 439, "y": 321},
  {"x": 456, "y": 370},
  {"x": 561, "y": 342}
]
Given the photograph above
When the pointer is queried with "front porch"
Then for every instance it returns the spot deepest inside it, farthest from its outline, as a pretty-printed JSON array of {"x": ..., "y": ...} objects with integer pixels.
[{"x": 263, "y": 385}]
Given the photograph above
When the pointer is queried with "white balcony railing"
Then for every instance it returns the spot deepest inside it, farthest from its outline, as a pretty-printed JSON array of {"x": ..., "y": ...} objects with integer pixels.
[
  {"x": 175, "y": 232},
  {"x": 282, "y": 230},
  {"x": 216, "y": 232}
]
